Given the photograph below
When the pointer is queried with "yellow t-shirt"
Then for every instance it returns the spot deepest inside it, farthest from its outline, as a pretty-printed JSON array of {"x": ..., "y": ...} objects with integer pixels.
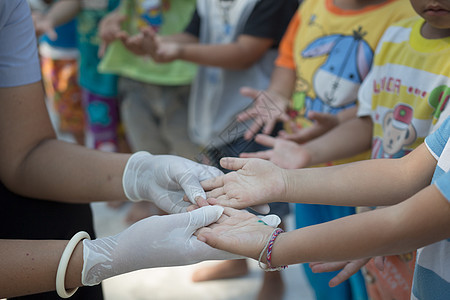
[
  {"x": 332, "y": 51},
  {"x": 407, "y": 89}
]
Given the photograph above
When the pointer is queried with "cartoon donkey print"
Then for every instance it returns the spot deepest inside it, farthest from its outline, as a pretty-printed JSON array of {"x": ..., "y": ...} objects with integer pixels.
[{"x": 337, "y": 81}]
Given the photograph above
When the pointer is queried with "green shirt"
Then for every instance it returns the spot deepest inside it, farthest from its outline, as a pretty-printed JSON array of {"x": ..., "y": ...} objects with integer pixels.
[{"x": 176, "y": 14}]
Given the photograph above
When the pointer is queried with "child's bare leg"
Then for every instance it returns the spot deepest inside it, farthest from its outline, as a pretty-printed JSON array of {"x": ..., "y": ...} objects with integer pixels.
[
  {"x": 223, "y": 270},
  {"x": 272, "y": 287}
]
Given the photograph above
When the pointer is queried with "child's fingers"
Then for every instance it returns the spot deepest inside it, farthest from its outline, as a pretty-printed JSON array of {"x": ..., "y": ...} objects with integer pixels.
[
  {"x": 216, "y": 193},
  {"x": 212, "y": 183},
  {"x": 267, "y": 154},
  {"x": 233, "y": 163},
  {"x": 327, "y": 267},
  {"x": 265, "y": 140},
  {"x": 201, "y": 201}
]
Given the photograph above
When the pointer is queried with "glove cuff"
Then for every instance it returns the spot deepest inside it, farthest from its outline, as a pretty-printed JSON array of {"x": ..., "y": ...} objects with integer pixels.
[{"x": 131, "y": 175}]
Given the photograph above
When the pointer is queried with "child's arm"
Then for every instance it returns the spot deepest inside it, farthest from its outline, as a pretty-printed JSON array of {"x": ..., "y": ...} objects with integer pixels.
[
  {"x": 397, "y": 229},
  {"x": 393, "y": 230},
  {"x": 239, "y": 55},
  {"x": 60, "y": 12},
  {"x": 366, "y": 183},
  {"x": 348, "y": 138}
]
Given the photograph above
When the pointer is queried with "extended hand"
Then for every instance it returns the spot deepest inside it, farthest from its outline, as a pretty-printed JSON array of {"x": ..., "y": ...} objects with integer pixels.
[
  {"x": 255, "y": 182},
  {"x": 267, "y": 109},
  {"x": 158, "y": 241},
  {"x": 165, "y": 179},
  {"x": 348, "y": 268},
  {"x": 109, "y": 29},
  {"x": 322, "y": 124},
  {"x": 237, "y": 231},
  {"x": 43, "y": 25},
  {"x": 148, "y": 42},
  {"x": 285, "y": 154}
]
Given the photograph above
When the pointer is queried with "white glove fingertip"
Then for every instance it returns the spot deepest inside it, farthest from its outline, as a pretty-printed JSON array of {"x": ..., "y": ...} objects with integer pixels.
[
  {"x": 271, "y": 220},
  {"x": 205, "y": 215}
]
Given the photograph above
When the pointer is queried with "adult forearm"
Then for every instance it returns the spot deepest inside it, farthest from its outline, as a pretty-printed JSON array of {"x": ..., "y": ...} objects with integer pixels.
[
  {"x": 392, "y": 230},
  {"x": 29, "y": 267},
  {"x": 55, "y": 170}
]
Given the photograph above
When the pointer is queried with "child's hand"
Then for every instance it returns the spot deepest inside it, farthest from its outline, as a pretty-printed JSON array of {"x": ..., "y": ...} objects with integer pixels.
[
  {"x": 237, "y": 231},
  {"x": 110, "y": 29},
  {"x": 322, "y": 124},
  {"x": 348, "y": 268},
  {"x": 255, "y": 182},
  {"x": 158, "y": 241},
  {"x": 285, "y": 154},
  {"x": 147, "y": 42},
  {"x": 267, "y": 109},
  {"x": 43, "y": 25}
]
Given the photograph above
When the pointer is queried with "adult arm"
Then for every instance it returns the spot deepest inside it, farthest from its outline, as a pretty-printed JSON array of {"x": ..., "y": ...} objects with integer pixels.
[
  {"x": 35, "y": 164},
  {"x": 31, "y": 265}
]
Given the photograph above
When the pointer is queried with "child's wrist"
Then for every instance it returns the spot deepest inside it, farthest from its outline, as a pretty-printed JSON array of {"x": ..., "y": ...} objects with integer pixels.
[
  {"x": 289, "y": 192},
  {"x": 266, "y": 255},
  {"x": 181, "y": 52}
]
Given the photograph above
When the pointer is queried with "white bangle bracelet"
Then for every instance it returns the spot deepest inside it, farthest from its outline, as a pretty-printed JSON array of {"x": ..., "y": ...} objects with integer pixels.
[{"x": 64, "y": 262}]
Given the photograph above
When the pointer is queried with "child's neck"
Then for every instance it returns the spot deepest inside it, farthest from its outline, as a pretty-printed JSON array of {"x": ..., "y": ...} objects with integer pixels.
[
  {"x": 430, "y": 32},
  {"x": 356, "y": 4}
]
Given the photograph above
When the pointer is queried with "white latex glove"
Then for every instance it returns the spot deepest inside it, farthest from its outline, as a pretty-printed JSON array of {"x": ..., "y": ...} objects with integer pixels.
[
  {"x": 165, "y": 179},
  {"x": 158, "y": 241}
]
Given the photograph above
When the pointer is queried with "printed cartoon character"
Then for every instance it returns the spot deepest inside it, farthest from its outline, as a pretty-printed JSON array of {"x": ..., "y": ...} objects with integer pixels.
[
  {"x": 439, "y": 98},
  {"x": 398, "y": 132},
  {"x": 150, "y": 13},
  {"x": 337, "y": 81}
]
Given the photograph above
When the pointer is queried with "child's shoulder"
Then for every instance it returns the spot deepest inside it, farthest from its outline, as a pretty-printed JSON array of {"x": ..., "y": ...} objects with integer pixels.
[{"x": 407, "y": 22}]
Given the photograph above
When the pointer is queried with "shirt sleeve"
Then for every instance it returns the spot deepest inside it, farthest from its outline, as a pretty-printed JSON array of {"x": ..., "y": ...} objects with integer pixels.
[
  {"x": 443, "y": 185},
  {"x": 19, "y": 61},
  {"x": 286, "y": 50},
  {"x": 270, "y": 18},
  {"x": 436, "y": 141},
  {"x": 438, "y": 145},
  {"x": 365, "y": 96},
  {"x": 194, "y": 25}
]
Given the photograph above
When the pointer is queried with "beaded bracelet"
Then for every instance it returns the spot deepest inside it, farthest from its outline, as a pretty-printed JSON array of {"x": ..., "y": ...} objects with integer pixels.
[
  {"x": 63, "y": 263},
  {"x": 269, "y": 247}
]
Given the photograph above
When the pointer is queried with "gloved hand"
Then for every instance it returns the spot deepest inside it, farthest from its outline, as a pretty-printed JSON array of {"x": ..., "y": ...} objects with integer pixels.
[
  {"x": 158, "y": 241},
  {"x": 165, "y": 179}
]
